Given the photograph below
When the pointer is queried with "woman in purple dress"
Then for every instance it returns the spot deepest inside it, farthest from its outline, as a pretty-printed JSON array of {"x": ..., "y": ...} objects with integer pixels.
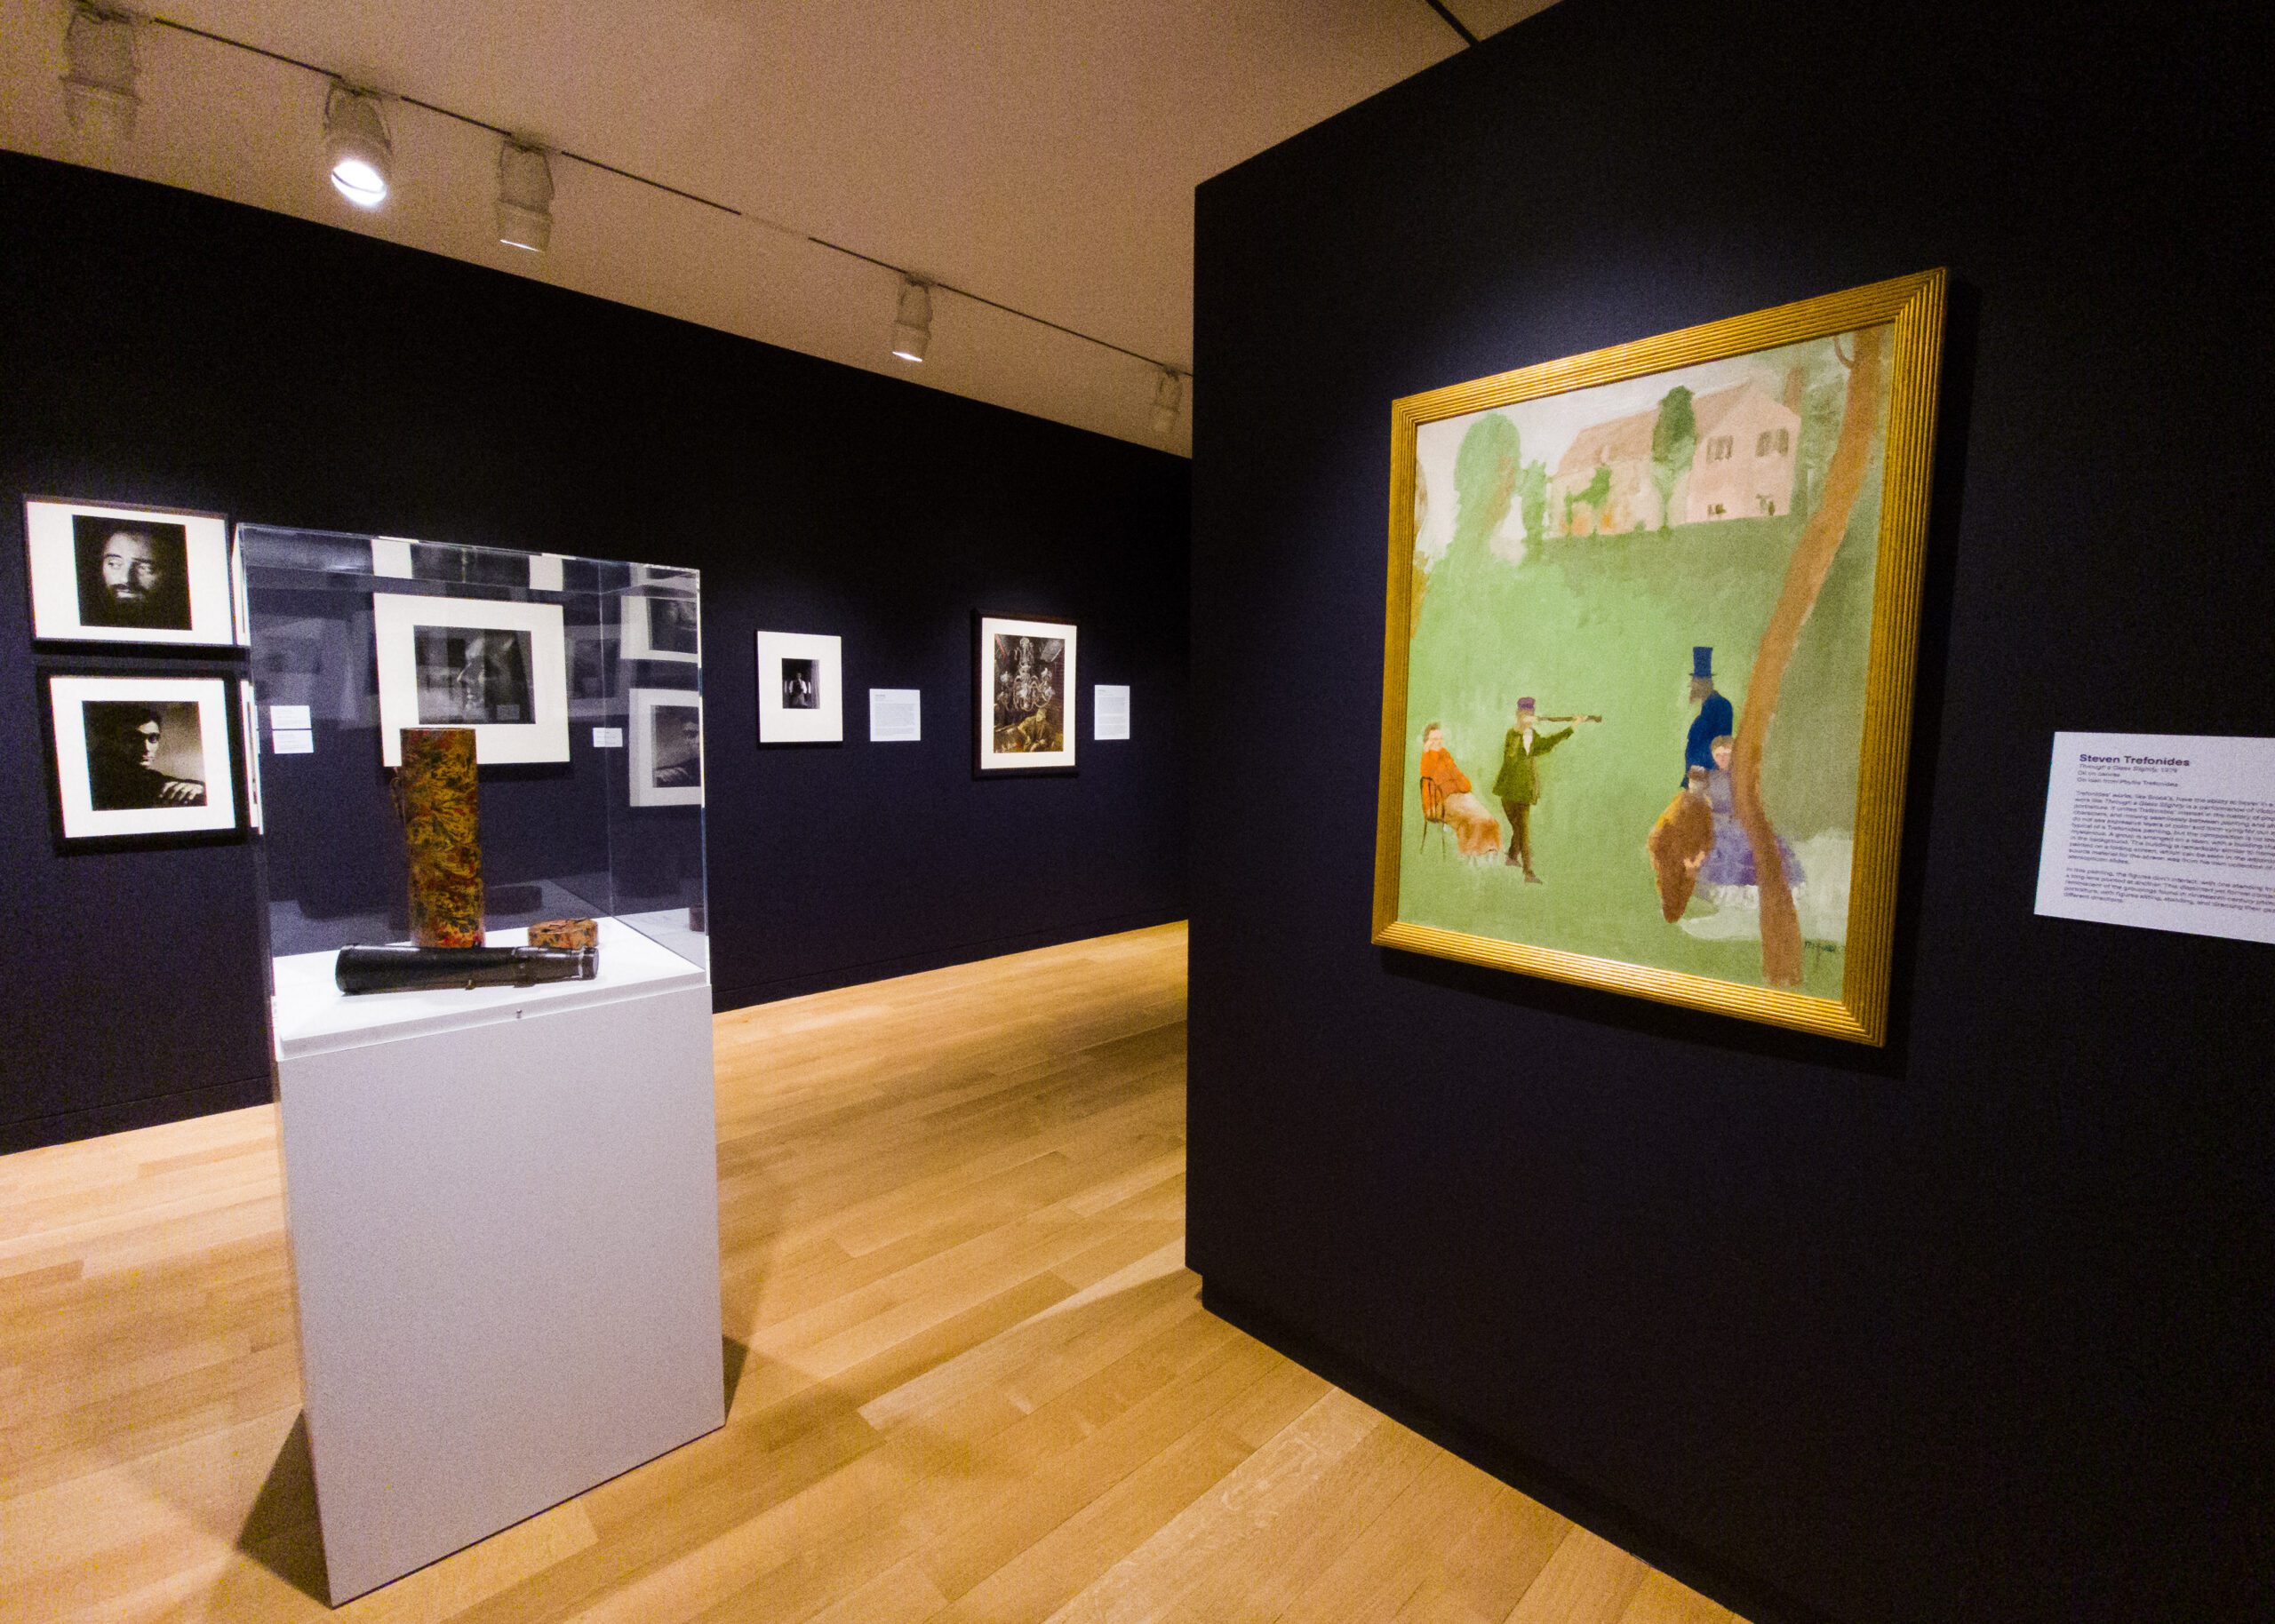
[{"x": 1729, "y": 874}]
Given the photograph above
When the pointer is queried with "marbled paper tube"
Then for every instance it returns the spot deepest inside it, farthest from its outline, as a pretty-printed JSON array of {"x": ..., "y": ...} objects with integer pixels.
[{"x": 442, "y": 825}]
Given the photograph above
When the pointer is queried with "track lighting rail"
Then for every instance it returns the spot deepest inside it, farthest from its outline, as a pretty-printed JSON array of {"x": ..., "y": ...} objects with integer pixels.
[{"x": 679, "y": 192}]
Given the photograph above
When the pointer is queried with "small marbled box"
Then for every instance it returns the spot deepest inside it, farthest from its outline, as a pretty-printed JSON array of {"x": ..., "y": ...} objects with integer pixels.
[{"x": 565, "y": 933}]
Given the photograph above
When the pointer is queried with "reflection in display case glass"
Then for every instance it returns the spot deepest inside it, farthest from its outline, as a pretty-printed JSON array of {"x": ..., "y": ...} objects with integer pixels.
[{"x": 355, "y": 638}]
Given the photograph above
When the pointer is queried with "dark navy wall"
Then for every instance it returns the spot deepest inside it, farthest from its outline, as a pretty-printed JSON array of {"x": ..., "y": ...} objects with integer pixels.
[
  {"x": 159, "y": 347},
  {"x": 1974, "y": 1327}
]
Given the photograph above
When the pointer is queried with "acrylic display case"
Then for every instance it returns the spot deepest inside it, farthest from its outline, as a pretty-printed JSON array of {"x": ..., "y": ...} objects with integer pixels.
[{"x": 503, "y": 1200}]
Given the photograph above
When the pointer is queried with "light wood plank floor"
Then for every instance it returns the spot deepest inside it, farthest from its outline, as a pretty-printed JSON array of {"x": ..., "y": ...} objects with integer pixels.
[{"x": 975, "y": 1381}]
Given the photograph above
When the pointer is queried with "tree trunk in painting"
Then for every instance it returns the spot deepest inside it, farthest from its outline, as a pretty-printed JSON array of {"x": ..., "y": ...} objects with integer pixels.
[
  {"x": 1812, "y": 555},
  {"x": 436, "y": 793}
]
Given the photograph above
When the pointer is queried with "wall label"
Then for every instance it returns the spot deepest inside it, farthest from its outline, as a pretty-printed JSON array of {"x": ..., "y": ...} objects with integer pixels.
[
  {"x": 1110, "y": 712},
  {"x": 896, "y": 715},
  {"x": 2166, "y": 831}
]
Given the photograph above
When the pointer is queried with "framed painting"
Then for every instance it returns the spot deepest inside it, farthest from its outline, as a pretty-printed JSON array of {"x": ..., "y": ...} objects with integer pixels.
[
  {"x": 141, "y": 759},
  {"x": 1023, "y": 694},
  {"x": 117, "y": 573},
  {"x": 498, "y": 667},
  {"x": 1647, "y": 659}
]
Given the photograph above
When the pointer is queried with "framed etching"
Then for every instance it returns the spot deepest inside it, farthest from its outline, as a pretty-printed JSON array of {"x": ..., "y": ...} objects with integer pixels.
[
  {"x": 1647, "y": 659},
  {"x": 1023, "y": 694},
  {"x": 498, "y": 667},
  {"x": 117, "y": 573},
  {"x": 801, "y": 688},
  {"x": 666, "y": 753},
  {"x": 142, "y": 759}
]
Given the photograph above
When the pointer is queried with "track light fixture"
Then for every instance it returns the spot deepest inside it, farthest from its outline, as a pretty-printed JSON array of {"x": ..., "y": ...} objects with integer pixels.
[
  {"x": 524, "y": 196},
  {"x": 99, "y": 92},
  {"x": 356, "y": 145},
  {"x": 911, "y": 331},
  {"x": 1168, "y": 394}
]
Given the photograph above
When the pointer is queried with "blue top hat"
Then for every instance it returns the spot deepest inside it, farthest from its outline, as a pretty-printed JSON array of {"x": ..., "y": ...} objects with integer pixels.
[{"x": 1701, "y": 661}]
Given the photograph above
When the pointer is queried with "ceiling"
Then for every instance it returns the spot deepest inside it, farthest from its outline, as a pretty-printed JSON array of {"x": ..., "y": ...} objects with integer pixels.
[{"x": 1039, "y": 154}]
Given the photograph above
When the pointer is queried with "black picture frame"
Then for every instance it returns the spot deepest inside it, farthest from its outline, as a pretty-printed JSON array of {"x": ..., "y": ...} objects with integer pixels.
[
  {"x": 77, "y": 828},
  {"x": 987, "y": 761},
  {"x": 57, "y": 581}
]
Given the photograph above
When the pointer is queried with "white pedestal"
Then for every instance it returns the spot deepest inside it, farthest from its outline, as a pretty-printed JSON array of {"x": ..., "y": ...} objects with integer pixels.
[{"x": 503, "y": 1205}]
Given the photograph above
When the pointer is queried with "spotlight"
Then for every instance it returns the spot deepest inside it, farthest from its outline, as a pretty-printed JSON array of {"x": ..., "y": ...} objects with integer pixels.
[
  {"x": 911, "y": 331},
  {"x": 1168, "y": 394},
  {"x": 524, "y": 197},
  {"x": 356, "y": 145},
  {"x": 99, "y": 92}
]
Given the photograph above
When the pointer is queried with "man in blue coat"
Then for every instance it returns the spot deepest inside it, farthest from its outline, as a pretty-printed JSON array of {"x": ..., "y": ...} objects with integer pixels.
[{"x": 1715, "y": 720}]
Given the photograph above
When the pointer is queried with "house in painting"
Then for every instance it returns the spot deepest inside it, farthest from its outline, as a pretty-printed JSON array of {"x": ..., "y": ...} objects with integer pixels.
[
  {"x": 1602, "y": 482},
  {"x": 1742, "y": 466}
]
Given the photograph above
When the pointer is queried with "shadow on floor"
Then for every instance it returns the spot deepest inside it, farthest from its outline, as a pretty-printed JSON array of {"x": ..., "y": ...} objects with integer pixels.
[
  {"x": 733, "y": 1357},
  {"x": 280, "y": 1531}
]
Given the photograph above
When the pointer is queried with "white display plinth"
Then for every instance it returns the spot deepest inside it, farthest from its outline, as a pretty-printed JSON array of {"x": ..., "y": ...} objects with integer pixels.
[{"x": 503, "y": 1205}]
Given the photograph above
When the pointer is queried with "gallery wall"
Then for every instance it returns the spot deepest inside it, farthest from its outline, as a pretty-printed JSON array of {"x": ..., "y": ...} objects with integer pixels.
[
  {"x": 167, "y": 348},
  {"x": 1973, "y": 1327}
]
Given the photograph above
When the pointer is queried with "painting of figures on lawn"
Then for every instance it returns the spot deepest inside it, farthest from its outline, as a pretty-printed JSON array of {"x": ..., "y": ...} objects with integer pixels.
[{"x": 1651, "y": 626}]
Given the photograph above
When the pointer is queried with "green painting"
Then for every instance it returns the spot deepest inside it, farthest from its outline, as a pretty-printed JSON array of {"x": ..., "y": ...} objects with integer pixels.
[{"x": 1637, "y": 672}]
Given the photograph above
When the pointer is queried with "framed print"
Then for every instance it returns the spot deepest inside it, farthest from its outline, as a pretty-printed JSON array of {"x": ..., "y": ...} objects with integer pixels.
[
  {"x": 141, "y": 757},
  {"x": 1648, "y": 656},
  {"x": 801, "y": 688},
  {"x": 667, "y": 752},
  {"x": 589, "y": 657},
  {"x": 118, "y": 573},
  {"x": 1023, "y": 677},
  {"x": 495, "y": 667},
  {"x": 249, "y": 738},
  {"x": 662, "y": 628}
]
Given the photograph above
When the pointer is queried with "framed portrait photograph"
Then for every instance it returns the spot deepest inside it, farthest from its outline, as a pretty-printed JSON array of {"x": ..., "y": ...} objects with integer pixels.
[
  {"x": 1023, "y": 694},
  {"x": 657, "y": 627},
  {"x": 1647, "y": 658},
  {"x": 141, "y": 757},
  {"x": 801, "y": 688},
  {"x": 667, "y": 747},
  {"x": 117, "y": 573},
  {"x": 498, "y": 667}
]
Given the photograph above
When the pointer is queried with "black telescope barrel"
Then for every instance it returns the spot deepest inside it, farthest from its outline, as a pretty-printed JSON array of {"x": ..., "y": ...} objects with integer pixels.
[{"x": 398, "y": 969}]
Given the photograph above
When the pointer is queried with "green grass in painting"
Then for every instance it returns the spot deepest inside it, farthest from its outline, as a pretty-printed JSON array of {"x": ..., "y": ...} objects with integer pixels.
[{"x": 1606, "y": 624}]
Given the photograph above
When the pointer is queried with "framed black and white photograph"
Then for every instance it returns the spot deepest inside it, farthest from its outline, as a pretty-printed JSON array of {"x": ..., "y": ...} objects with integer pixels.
[
  {"x": 249, "y": 747},
  {"x": 500, "y": 668},
  {"x": 118, "y": 573},
  {"x": 657, "y": 627},
  {"x": 1023, "y": 694},
  {"x": 801, "y": 688},
  {"x": 142, "y": 759},
  {"x": 667, "y": 747}
]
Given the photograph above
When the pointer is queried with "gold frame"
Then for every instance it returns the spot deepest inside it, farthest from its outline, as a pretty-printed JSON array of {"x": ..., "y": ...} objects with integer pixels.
[{"x": 1914, "y": 306}]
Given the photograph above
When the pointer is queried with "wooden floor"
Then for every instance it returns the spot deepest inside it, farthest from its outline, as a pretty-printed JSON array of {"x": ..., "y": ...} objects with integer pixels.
[{"x": 975, "y": 1381}]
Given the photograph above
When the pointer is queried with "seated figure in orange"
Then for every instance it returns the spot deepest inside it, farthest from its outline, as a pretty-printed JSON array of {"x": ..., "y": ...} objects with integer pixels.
[{"x": 1476, "y": 830}]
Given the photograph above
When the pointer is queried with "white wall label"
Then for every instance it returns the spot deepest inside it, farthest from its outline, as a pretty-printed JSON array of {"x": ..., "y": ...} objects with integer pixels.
[
  {"x": 289, "y": 718},
  {"x": 896, "y": 715},
  {"x": 2165, "y": 831},
  {"x": 545, "y": 572},
  {"x": 1109, "y": 711},
  {"x": 391, "y": 556},
  {"x": 292, "y": 743},
  {"x": 608, "y": 738}
]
